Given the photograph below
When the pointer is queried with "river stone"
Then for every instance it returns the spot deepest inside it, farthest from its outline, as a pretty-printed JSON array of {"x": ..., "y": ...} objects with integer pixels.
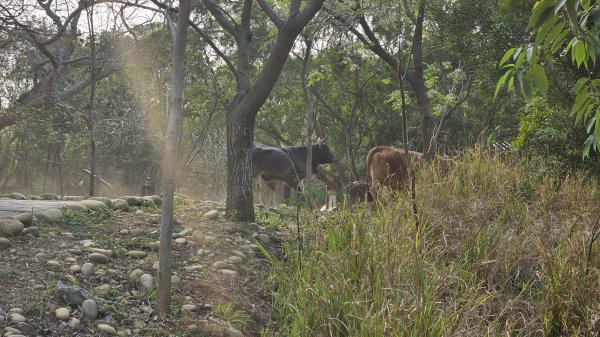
[
  {"x": 75, "y": 268},
  {"x": 220, "y": 264},
  {"x": 50, "y": 215},
  {"x": 137, "y": 254},
  {"x": 198, "y": 238},
  {"x": 147, "y": 281},
  {"x": 17, "y": 317},
  {"x": 119, "y": 205},
  {"x": 148, "y": 202},
  {"x": 189, "y": 307},
  {"x": 106, "y": 252},
  {"x": 240, "y": 254},
  {"x": 181, "y": 241},
  {"x": 93, "y": 205},
  {"x": 105, "y": 200},
  {"x": 25, "y": 218},
  {"x": 53, "y": 263},
  {"x": 89, "y": 308},
  {"x": 133, "y": 200},
  {"x": 228, "y": 272},
  {"x": 73, "y": 322},
  {"x": 135, "y": 275},
  {"x": 76, "y": 207},
  {"x": 107, "y": 329},
  {"x": 175, "y": 280},
  {"x": 13, "y": 331},
  {"x": 16, "y": 196},
  {"x": 71, "y": 295},
  {"x": 33, "y": 230},
  {"x": 211, "y": 214},
  {"x": 87, "y": 269},
  {"x": 49, "y": 196},
  {"x": 10, "y": 227},
  {"x": 4, "y": 243},
  {"x": 98, "y": 258},
  {"x": 62, "y": 314},
  {"x": 235, "y": 259},
  {"x": 155, "y": 245},
  {"x": 156, "y": 198},
  {"x": 264, "y": 238},
  {"x": 233, "y": 332}
]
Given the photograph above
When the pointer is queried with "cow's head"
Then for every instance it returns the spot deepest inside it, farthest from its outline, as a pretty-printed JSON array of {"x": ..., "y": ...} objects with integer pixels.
[{"x": 321, "y": 153}]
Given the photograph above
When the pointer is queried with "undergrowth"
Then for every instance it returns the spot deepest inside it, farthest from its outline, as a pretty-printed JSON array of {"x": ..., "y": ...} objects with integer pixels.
[{"x": 499, "y": 251}]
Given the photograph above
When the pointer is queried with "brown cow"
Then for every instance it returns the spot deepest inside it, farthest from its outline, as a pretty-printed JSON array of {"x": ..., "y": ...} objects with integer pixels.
[{"x": 387, "y": 168}]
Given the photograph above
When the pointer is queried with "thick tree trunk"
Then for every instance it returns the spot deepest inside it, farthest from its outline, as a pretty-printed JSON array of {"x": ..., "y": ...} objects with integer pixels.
[
  {"x": 174, "y": 125},
  {"x": 240, "y": 133}
]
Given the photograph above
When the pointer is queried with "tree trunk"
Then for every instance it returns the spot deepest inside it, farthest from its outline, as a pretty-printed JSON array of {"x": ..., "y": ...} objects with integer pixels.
[{"x": 174, "y": 125}]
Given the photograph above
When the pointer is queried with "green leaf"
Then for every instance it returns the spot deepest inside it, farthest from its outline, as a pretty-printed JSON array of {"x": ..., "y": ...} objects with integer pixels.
[
  {"x": 519, "y": 61},
  {"x": 571, "y": 7},
  {"x": 580, "y": 101},
  {"x": 597, "y": 129},
  {"x": 587, "y": 145},
  {"x": 506, "y": 56},
  {"x": 539, "y": 77},
  {"x": 543, "y": 32},
  {"x": 554, "y": 33},
  {"x": 580, "y": 85},
  {"x": 541, "y": 11}
]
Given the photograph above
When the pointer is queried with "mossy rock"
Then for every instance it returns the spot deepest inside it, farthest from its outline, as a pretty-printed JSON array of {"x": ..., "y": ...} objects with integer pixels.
[
  {"x": 133, "y": 200},
  {"x": 10, "y": 227},
  {"x": 119, "y": 205},
  {"x": 76, "y": 207},
  {"x": 25, "y": 218},
  {"x": 93, "y": 205},
  {"x": 105, "y": 200},
  {"x": 49, "y": 196},
  {"x": 50, "y": 215},
  {"x": 156, "y": 198}
]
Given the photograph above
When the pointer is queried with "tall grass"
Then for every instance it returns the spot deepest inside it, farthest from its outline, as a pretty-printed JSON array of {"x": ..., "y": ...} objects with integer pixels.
[{"x": 499, "y": 251}]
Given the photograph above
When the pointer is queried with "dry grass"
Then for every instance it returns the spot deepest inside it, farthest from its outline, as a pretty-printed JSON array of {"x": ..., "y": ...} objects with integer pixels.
[{"x": 500, "y": 251}]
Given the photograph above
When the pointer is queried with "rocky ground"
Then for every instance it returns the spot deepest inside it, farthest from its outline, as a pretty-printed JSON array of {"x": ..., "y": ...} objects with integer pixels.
[{"x": 95, "y": 274}]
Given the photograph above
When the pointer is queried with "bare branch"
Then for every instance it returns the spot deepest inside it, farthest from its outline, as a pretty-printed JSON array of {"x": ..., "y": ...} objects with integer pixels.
[{"x": 217, "y": 13}]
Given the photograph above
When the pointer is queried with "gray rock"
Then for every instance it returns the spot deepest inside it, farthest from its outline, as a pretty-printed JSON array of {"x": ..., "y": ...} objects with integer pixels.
[
  {"x": 155, "y": 245},
  {"x": 10, "y": 227},
  {"x": 105, "y": 200},
  {"x": 4, "y": 243},
  {"x": 106, "y": 252},
  {"x": 239, "y": 254},
  {"x": 62, "y": 314},
  {"x": 233, "y": 332},
  {"x": 175, "y": 280},
  {"x": 119, "y": 205},
  {"x": 137, "y": 254},
  {"x": 76, "y": 207},
  {"x": 73, "y": 296},
  {"x": 89, "y": 308},
  {"x": 98, "y": 258},
  {"x": 87, "y": 269},
  {"x": 136, "y": 274},
  {"x": 156, "y": 198},
  {"x": 107, "y": 329},
  {"x": 220, "y": 264},
  {"x": 264, "y": 238},
  {"x": 133, "y": 200},
  {"x": 147, "y": 281},
  {"x": 26, "y": 329},
  {"x": 17, "y": 196},
  {"x": 17, "y": 317},
  {"x": 33, "y": 230},
  {"x": 73, "y": 322},
  {"x": 228, "y": 272},
  {"x": 75, "y": 268},
  {"x": 53, "y": 264},
  {"x": 211, "y": 214},
  {"x": 198, "y": 238},
  {"x": 93, "y": 205},
  {"x": 50, "y": 215},
  {"x": 49, "y": 196},
  {"x": 25, "y": 218},
  {"x": 189, "y": 307},
  {"x": 235, "y": 259}
]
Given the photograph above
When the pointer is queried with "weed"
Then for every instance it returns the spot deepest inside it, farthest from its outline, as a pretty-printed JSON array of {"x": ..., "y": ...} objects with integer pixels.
[{"x": 227, "y": 313}]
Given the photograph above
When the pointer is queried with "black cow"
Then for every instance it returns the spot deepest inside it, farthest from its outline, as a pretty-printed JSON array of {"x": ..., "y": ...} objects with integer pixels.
[{"x": 287, "y": 164}]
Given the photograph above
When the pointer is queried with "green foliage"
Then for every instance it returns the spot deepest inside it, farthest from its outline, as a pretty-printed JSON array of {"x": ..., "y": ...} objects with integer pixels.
[
  {"x": 226, "y": 312},
  {"x": 552, "y": 29},
  {"x": 497, "y": 252}
]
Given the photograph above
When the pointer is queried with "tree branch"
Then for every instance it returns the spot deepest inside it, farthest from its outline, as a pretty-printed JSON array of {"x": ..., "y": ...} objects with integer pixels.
[{"x": 271, "y": 14}]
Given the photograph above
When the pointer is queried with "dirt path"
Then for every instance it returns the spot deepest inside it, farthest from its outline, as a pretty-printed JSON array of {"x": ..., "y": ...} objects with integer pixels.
[{"x": 220, "y": 275}]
